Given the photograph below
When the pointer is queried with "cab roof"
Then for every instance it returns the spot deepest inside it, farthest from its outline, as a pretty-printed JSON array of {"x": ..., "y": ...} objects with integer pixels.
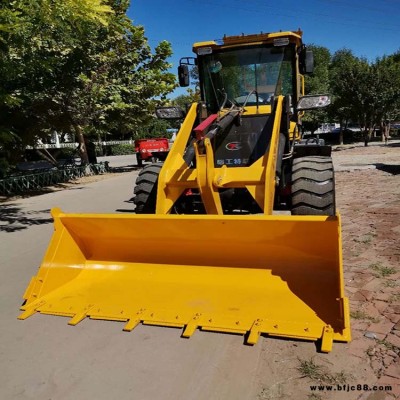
[{"x": 253, "y": 39}]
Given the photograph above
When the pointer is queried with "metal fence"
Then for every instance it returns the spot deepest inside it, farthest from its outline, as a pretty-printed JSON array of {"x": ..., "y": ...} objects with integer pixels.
[
  {"x": 39, "y": 180},
  {"x": 74, "y": 145}
]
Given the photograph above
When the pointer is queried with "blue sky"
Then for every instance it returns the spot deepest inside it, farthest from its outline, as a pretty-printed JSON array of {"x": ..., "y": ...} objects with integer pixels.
[{"x": 369, "y": 28}]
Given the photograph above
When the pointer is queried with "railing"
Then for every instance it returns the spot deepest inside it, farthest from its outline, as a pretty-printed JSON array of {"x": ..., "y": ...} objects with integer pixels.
[
  {"x": 39, "y": 180},
  {"x": 75, "y": 145}
]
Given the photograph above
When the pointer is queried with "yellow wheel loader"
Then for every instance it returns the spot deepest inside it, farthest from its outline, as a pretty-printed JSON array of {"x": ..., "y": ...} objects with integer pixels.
[{"x": 235, "y": 232}]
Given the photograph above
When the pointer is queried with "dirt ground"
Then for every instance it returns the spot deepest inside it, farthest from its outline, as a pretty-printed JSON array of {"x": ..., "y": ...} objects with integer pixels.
[
  {"x": 368, "y": 199},
  {"x": 367, "y": 368}
]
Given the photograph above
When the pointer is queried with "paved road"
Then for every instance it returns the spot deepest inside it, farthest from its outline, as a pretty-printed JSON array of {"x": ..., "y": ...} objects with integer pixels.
[
  {"x": 359, "y": 157},
  {"x": 44, "y": 358}
]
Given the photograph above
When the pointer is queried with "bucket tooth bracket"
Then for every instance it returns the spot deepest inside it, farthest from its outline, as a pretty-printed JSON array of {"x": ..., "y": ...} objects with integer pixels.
[
  {"x": 255, "y": 332},
  {"x": 134, "y": 321},
  {"x": 191, "y": 326},
  {"x": 327, "y": 339},
  {"x": 131, "y": 324},
  {"x": 31, "y": 309},
  {"x": 80, "y": 316}
]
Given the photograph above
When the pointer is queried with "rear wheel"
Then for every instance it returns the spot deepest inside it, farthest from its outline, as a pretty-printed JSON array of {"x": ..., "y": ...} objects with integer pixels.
[
  {"x": 145, "y": 192},
  {"x": 313, "y": 186}
]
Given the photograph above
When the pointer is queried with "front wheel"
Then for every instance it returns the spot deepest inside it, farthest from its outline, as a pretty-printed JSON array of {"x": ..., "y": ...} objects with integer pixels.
[
  {"x": 313, "y": 186},
  {"x": 145, "y": 191}
]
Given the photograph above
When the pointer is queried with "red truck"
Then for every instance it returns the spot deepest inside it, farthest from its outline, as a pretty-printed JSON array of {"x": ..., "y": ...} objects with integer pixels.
[{"x": 152, "y": 150}]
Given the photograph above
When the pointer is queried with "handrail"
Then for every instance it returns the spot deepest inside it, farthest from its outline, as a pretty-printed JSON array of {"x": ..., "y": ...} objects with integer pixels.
[{"x": 36, "y": 181}]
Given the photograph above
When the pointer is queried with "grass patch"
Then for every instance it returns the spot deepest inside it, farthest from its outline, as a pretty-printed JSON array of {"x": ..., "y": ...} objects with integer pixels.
[
  {"x": 381, "y": 271},
  {"x": 362, "y": 315},
  {"x": 309, "y": 369},
  {"x": 273, "y": 392},
  {"x": 365, "y": 239},
  {"x": 388, "y": 345},
  {"x": 314, "y": 396},
  {"x": 356, "y": 253},
  {"x": 390, "y": 283},
  {"x": 394, "y": 298}
]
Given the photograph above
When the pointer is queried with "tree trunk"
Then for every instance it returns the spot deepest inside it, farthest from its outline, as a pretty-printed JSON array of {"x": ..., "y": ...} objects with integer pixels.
[
  {"x": 48, "y": 157},
  {"x": 368, "y": 131},
  {"x": 385, "y": 130},
  {"x": 367, "y": 136},
  {"x": 82, "y": 146}
]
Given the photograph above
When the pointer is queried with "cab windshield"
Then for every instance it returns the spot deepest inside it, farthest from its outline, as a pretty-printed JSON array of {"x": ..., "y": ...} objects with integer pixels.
[{"x": 248, "y": 76}]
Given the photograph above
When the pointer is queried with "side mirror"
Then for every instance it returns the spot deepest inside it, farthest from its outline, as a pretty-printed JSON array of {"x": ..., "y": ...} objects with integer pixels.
[
  {"x": 306, "y": 62},
  {"x": 313, "y": 102},
  {"x": 183, "y": 75},
  {"x": 170, "y": 113}
]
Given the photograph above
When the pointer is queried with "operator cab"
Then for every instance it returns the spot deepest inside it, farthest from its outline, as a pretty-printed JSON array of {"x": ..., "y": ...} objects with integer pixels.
[
  {"x": 246, "y": 77},
  {"x": 248, "y": 72}
]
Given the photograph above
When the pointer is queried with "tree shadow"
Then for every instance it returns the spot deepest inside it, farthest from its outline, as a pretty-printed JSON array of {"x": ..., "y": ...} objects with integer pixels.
[
  {"x": 393, "y": 169},
  {"x": 126, "y": 168},
  {"x": 397, "y": 144},
  {"x": 13, "y": 218},
  {"x": 127, "y": 210},
  {"x": 38, "y": 192}
]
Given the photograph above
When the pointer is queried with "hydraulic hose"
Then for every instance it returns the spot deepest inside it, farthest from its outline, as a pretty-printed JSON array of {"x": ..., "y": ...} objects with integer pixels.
[{"x": 215, "y": 129}]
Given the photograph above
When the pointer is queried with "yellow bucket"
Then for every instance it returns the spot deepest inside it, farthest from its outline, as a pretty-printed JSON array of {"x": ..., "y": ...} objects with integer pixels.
[{"x": 252, "y": 274}]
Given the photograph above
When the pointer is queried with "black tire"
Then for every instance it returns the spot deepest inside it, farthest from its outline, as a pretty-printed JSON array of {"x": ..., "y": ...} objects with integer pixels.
[
  {"x": 313, "y": 186},
  {"x": 145, "y": 191}
]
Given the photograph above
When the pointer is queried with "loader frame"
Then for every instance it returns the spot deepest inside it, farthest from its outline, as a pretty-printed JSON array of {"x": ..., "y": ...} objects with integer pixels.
[
  {"x": 257, "y": 274},
  {"x": 176, "y": 176}
]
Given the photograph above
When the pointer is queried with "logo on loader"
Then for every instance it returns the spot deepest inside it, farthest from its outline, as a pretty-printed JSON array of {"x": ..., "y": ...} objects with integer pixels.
[{"x": 233, "y": 146}]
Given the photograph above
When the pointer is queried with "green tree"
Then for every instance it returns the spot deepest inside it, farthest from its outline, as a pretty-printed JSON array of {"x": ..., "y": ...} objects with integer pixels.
[
  {"x": 117, "y": 93},
  {"x": 76, "y": 65},
  {"x": 342, "y": 109},
  {"x": 386, "y": 71},
  {"x": 36, "y": 40},
  {"x": 154, "y": 128},
  {"x": 184, "y": 101},
  {"x": 367, "y": 93},
  {"x": 317, "y": 83}
]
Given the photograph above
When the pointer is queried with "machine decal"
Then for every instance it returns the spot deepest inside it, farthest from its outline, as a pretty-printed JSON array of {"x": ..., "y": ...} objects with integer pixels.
[{"x": 233, "y": 146}]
